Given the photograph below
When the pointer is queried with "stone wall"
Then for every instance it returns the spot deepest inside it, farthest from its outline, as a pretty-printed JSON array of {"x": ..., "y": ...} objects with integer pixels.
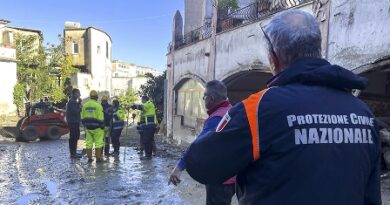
[{"x": 358, "y": 32}]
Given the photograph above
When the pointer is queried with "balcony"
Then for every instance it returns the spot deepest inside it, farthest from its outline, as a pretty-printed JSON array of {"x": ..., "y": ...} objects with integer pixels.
[
  {"x": 255, "y": 12},
  {"x": 246, "y": 15}
]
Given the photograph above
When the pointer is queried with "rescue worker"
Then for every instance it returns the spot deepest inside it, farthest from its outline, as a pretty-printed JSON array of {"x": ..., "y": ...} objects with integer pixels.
[
  {"x": 303, "y": 140},
  {"x": 73, "y": 109},
  {"x": 107, "y": 109},
  {"x": 92, "y": 117},
  {"x": 217, "y": 105},
  {"x": 117, "y": 126},
  {"x": 147, "y": 126}
]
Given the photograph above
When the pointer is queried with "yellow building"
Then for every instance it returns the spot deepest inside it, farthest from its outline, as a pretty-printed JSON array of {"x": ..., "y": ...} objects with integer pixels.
[{"x": 91, "y": 51}]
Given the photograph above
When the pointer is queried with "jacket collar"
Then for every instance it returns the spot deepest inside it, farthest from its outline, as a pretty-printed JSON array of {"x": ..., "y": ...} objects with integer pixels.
[
  {"x": 215, "y": 108},
  {"x": 316, "y": 71}
]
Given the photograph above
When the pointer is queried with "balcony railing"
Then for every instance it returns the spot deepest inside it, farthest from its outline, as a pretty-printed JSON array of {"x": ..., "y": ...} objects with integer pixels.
[
  {"x": 195, "y": 35},
  {"x": 254, "y": 12}
]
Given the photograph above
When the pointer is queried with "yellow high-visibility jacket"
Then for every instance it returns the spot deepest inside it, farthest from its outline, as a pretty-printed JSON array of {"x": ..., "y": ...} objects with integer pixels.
[{"x": 92, "y": 115}]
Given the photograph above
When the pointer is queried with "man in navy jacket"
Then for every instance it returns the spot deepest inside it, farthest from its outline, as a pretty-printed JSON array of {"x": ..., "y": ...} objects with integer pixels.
[{"x": 305, "y": 139}]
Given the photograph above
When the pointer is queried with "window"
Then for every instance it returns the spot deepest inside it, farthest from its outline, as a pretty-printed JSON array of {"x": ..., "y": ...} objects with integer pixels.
[
  {"x": 8, "y": 38},
  {"x": 106, "y": 49},
  {"x": 75, "y": 48},
  {"x": 98, "y": 50},
  {"x": 86, "y": 83},
  {"x": 190, "y": 103}
]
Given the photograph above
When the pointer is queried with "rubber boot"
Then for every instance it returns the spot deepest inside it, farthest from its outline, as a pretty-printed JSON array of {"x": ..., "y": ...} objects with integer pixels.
[
  {"x": 107, "y": 146},
  {"x": 89, "y": 155},
  {"x": 98, "y": 154}
]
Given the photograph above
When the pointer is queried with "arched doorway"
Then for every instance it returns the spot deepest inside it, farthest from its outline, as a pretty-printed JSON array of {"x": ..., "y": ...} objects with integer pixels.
[
  {"x": 377, "y": 94},
  {"x": 189, "y": 102},
  {"x": 377, "y": 97},
  {"x": 245, "y": 83}
]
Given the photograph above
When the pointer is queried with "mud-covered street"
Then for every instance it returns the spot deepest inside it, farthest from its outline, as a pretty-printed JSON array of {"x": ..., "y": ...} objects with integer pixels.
[{"x": 42, "y": 173}]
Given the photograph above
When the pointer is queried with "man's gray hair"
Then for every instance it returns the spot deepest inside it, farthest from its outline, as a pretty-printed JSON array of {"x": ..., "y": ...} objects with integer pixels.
[
  {"x": 216, "y": 89},
  {"x": 294, "y": 34}
]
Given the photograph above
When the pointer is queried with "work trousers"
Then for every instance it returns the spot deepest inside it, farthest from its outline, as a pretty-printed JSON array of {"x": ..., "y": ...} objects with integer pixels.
[
  {"x": 96, "y": 137},
  {"x": 147, "y": 138},
  {"x": 154, "y": 147},
  {"x": 74, "y": 136},
  {"x": 106, "y": 140},
  {"x": 219, "y": 194},
  {"x": 115, "y": 135}
]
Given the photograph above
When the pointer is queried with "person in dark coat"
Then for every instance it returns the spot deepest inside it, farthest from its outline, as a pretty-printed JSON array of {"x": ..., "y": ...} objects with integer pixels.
[
  {"x": 303, "y": 140},
  {"x": 217, "y": 105},
  {"x": 73, "y": 109}
]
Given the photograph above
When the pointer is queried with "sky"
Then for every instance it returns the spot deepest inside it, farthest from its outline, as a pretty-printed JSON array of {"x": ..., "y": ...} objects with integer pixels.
[{"x": 140, "y": 29}]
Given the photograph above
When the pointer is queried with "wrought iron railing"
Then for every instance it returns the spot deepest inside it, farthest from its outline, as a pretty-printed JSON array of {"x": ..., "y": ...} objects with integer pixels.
[
  {"x": 250, "y": 13},
  {"x": 255, "y": 11},
  {"x": 196, "y": 35}
]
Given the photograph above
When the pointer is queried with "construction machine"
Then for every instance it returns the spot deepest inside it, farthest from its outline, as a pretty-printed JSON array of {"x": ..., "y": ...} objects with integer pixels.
[{"x": 41, "y": 121}]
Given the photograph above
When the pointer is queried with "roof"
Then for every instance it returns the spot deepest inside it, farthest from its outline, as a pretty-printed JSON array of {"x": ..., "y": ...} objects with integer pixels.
[
  {"x": 25, "y": 29},
  {"x": 4, "y": 21},
  {"x": 90, "y": 27}
]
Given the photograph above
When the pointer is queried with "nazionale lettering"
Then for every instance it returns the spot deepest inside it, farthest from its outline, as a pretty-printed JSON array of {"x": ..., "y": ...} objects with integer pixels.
[{"x": 332, "y": 135}]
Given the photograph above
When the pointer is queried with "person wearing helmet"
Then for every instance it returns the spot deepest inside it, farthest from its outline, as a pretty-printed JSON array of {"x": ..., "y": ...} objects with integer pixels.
[
  {"x": 117, "y": 126},
  {"x": 107, "y": 109},
  {"x": 92, "y": 117},
  {"x": 147, "y": 126}
]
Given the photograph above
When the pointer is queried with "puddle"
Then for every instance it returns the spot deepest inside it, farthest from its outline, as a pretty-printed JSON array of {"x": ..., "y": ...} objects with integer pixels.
[
  {"x": 25, "y": 199},
  {"x": 51, "y": 186}
]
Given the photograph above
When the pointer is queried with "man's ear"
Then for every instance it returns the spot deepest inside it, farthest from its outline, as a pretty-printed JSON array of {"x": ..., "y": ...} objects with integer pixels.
[{"x": 274, "y": 62}]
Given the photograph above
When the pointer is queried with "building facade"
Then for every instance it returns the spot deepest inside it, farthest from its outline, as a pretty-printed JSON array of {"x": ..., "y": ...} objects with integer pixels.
[
  {"x": 8, "y": 63},
  {"x": 91, "y": 51},
  {"x": 231, "y": 48},
  {"x": 127, "y": 75}
]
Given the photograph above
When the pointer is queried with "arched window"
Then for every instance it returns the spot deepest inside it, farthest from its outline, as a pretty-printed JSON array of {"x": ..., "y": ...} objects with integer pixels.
[{"x": 190, "y": 102}]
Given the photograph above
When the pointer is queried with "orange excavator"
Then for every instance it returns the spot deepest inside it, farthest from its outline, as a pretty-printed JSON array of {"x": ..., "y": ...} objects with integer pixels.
[{"x": 42, "y": 121}]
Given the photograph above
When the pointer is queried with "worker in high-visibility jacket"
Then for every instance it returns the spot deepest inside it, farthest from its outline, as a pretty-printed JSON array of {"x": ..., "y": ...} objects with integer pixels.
[
  {"x": 107, "y": 109},
  {"x": 147, "y": 126},
  {"x": 117, "y": 125},
  {"x": 92, "y": 117}
]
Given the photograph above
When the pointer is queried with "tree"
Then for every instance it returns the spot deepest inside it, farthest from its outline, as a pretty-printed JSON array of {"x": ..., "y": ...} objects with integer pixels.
[
  {"x": 230, "y": 5},
  {"x": 154, "y": 89},
  {"x": 62, "y": 66},
  {"x": 18, "y": 95},
  {"x": 128, "y": 98},
  {"x": 38, "y": 69}
]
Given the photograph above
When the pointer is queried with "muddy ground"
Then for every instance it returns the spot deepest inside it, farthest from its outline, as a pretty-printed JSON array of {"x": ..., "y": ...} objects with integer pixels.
[{"x": 41, "y": 172}]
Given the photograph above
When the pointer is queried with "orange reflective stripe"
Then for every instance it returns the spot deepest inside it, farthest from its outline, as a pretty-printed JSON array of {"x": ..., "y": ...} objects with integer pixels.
[{"x": 251, "y": 105}]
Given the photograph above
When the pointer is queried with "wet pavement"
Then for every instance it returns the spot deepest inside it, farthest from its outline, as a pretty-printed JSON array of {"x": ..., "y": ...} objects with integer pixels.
[
  {"x": 42, "y": 173},
  {"x": 386, "y": 189}
]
